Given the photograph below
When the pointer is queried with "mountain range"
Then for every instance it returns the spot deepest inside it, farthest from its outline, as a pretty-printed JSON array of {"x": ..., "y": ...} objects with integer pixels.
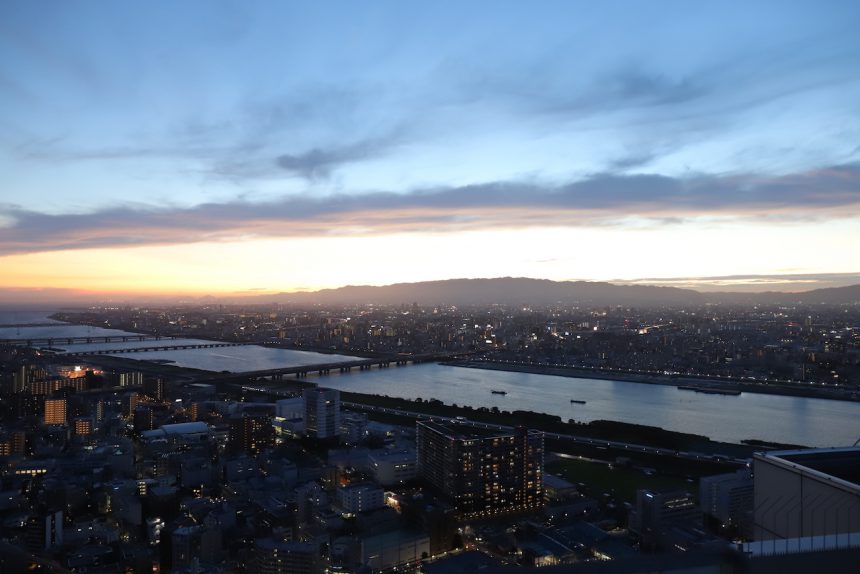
[{"x": 541, "y": 292}]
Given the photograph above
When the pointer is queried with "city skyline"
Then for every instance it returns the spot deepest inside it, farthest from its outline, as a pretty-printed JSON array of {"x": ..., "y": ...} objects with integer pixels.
[{"x": 213, "y": 149}]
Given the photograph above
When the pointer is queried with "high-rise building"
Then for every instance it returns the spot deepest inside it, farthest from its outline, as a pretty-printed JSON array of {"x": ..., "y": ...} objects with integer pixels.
[
  {"x": 55, "y": 411},
  {"x": 129, "y": 403},
  {"x": 154, "y": 388},
  {"x": 144, "y": 417},
  {"x": 133, "y": 379},
  {"x": 322, "y": 412},
  {"x": 482, "y": 475},
  {"x": 251, "y": 433}
]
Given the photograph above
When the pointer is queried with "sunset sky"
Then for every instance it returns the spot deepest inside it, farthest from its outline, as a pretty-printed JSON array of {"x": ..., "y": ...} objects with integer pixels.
[{"x": 245, "y": 147}]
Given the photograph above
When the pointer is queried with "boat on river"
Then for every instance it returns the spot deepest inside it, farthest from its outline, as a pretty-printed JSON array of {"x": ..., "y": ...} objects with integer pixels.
[{"x": 710, "y": 391}]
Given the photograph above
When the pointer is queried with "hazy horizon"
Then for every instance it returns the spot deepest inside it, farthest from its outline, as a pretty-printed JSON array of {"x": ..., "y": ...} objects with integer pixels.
[{"x": 10, "y": 298}]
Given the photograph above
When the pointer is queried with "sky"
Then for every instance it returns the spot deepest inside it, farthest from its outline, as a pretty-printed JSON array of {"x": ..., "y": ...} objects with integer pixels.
[{"x": 248, "y": 147}]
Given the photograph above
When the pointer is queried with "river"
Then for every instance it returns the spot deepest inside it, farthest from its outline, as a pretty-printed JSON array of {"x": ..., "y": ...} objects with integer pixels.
[{"x": 798, "y": 420}]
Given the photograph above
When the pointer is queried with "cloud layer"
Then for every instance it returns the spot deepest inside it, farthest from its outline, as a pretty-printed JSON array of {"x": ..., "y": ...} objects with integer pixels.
[{"x": 602, "y": 199}]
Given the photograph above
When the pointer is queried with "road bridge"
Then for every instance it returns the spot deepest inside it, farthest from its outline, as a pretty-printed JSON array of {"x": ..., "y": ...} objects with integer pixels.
[
  {"x": 51, "y": 341},
  {"x": 361, "y": 364},
  {"x": 155, "y": 348}
]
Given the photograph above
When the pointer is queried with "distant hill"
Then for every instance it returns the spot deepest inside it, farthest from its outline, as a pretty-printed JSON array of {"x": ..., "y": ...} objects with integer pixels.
[
  {"x": 503, "y": 291},
  {"x": 827, "y": 296}
]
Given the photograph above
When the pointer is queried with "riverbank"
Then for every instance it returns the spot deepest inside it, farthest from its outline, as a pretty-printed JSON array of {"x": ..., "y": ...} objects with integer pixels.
[
  {"x": 601, "y": 429},
  {"x": 666, "y": 380}
]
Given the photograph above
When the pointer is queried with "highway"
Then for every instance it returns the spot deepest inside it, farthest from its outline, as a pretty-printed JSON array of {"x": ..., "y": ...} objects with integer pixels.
[{"x": 580, "y": 440}]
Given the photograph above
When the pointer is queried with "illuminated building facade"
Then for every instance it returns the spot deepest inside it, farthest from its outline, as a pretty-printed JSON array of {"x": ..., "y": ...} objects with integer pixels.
[
  {"x": 55, "y": 411},
  {"x": 83, "y": 426},
  {"x": 482, "y": 476}
]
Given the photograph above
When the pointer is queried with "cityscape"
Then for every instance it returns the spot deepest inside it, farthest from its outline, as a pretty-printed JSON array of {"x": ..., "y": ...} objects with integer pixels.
[{"x": 387, "y": 287}]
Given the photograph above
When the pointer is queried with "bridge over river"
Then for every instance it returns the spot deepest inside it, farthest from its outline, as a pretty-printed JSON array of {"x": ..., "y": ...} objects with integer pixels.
[
  {"x": 181, "y": 347},
  {"x": 362, "y": 364},
  {"x": 51, "y": 341}
]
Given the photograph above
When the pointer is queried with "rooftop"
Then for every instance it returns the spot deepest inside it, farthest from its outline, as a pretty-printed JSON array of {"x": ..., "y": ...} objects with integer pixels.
[{"x": 827, "y": 463}]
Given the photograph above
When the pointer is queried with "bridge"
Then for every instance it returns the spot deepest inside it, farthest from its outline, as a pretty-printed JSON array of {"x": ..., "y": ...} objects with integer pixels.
[
  {"x": 362, "y": 364},
  {"x": 156, "y": 348},
  {"x": 51, "y": 341},
  {"x": 23, "y": 325}
]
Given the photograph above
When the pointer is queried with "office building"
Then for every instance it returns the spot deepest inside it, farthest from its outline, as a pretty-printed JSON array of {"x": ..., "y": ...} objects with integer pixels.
[
  {"x": 322, "y": 413},
  {"x": 482, "y": 475}
]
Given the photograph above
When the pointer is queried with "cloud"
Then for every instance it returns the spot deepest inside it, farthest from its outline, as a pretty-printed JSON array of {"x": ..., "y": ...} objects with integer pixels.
[
  {"x": 603, "y": 199},
  {"x": 318, "y": 163},
  {"x": 752, "y": 283}
]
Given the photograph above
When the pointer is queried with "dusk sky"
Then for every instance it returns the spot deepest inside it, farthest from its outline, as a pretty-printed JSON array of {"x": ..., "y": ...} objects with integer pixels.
[{"x": 231, "y": 147}]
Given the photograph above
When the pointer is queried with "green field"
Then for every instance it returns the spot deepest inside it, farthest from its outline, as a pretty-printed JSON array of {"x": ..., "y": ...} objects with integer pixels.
[{"x": 621, "y": 482}]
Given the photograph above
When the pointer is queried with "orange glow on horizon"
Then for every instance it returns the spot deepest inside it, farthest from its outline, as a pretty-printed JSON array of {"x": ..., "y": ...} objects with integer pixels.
[{"x": 268, "y": 266}]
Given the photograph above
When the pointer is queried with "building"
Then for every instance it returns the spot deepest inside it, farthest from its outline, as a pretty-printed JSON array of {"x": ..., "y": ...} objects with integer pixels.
[
  {"x": 83, "y": 426},
  {"x": 250, "y": 433},
  {"x": 322, "y": 413},
  {"x": 291, "y": 408},
  {"x": 658, "y": 513},
  {"x": 44, "y": 530},
  {"x": 806, "y": 493},
  {"x": 482, "y": 475},
  {"x": 353, "y": 427},
  {"x": 55, "y": 411},
  {"x": 179, "y": 433},
  {"x": 728, "y": 498},
  {"x": 143, "y": 417},
  {"x": 360, "y": 497},
  {"x": 195, "y": 544},
  {"x": 392, "y": 467},
  {"x": 129, "y": 403},
  {"x": 134, "y": 379},
  {"x": 154, "y": 388},
  {"x": 276, "y": 557},
  {"x": 391, "y": 549}
]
